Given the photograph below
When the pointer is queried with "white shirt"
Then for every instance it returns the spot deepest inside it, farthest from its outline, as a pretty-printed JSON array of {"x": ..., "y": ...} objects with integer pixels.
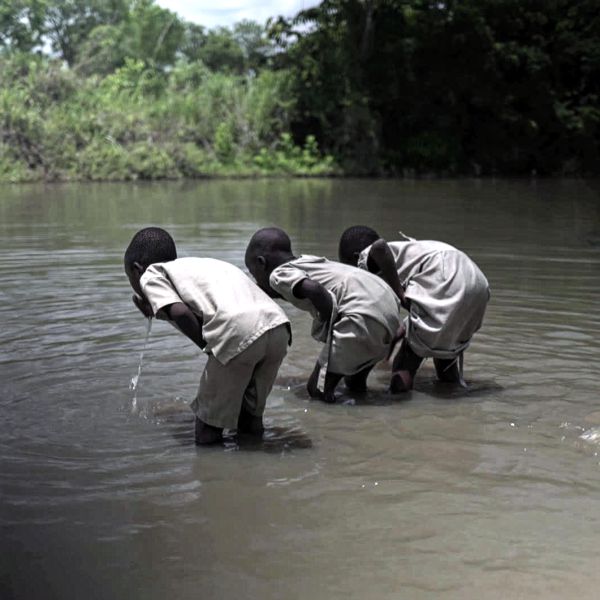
[{"x": 234, "y": 310}]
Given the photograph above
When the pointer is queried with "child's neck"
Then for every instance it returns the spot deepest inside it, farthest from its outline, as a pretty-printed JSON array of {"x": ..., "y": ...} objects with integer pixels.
[{"x": 280, "y": 258}]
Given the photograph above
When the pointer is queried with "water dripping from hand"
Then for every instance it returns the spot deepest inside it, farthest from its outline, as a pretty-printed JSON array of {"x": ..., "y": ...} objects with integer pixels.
[{"x": 135, "y": 380}]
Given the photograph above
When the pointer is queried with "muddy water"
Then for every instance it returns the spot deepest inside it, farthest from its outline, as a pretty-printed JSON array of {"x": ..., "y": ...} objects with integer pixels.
[{"x": 489, "y": 493}]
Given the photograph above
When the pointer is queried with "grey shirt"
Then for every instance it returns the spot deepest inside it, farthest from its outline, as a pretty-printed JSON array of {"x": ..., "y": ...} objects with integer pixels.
[
  {"x": 447, "y": 291},
  {"x": 353, "y": 291}
]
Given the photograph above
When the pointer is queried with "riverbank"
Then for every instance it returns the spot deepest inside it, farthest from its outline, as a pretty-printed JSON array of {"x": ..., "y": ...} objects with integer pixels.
[
  {"x": 128, "y": 91},
  {"x": 136, "y": 123},
  {"x": 111, "y": 161}
]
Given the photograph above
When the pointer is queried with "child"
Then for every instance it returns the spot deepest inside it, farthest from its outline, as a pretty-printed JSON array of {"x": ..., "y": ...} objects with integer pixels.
[
  {"x": 355, "y": 313},
  {"x": 244, "y": 332},
  {"x": 442, "y": 288}
]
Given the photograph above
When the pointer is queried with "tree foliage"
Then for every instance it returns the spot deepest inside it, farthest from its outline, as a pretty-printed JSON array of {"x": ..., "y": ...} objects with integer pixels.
[
  {"x": 127, "y": 89},
  {"x": 493, "y": 86}
]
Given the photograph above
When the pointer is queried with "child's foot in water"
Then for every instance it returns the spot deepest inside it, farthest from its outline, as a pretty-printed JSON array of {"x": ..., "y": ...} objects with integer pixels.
[
  {"x": 248, "y": 423},
  {"x": 207, "y": 434},
  {"x": 450, "y": 371}
]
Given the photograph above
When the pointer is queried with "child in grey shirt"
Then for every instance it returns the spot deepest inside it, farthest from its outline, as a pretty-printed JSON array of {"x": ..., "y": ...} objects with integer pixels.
[
  {"x": 443, "y": 290},
  {"x": 355, "y": 314}
]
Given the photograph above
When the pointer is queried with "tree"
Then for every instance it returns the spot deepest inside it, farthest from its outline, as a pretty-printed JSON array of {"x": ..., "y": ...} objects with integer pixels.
[
  {"x": 506, "y": 86},
  {"x": 221, "y": 51},
  {"x": 149, "y": 34},
  {"x": 254, "y": 43},
  {"x": 22, "y": 24},
  {"x": 69, "y": 22}
]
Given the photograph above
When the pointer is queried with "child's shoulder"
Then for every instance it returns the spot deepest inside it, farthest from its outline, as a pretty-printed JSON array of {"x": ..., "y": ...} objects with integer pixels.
[
  {"x": 201, "y": 269},
  {"x": 424, "y": 245}
]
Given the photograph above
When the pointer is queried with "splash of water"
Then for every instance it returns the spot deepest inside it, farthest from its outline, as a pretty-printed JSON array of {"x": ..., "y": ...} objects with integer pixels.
[
  {"x": 133, "y": 384},
  {"x": 591, "y": 435}
]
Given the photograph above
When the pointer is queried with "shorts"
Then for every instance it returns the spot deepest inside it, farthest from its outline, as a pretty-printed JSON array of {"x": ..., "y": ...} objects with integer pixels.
[{"x": 244, "y": 382}]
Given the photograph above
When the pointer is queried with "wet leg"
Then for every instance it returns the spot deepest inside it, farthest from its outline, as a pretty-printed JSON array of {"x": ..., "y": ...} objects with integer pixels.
[
  {"x": 450, "y": 370},
  {"x": 250, "y": 419},
  {"x": 404, "y": 368},
  {"x": 358, "y": 381},
  {"x": 331, "y": 381},
  {"x": 249, "y": 423},
  {"x": 207, "y": 434}
]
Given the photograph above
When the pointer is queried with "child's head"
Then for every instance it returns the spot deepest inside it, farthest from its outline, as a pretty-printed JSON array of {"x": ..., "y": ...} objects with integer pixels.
[
  {"x": 268, "y": 248},
  {"x": 148, "y": 246},
  {"x": 353, "y": 241}
]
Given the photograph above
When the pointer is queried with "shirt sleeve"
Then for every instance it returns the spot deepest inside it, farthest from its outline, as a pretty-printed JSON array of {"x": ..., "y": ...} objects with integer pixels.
[
  {"x": 158, "y": 289},
  {"x": 284, "y": 278}
]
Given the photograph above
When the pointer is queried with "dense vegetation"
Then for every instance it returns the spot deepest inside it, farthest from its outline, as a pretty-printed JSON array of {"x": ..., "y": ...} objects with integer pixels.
[{"x": 124, "y": 89}]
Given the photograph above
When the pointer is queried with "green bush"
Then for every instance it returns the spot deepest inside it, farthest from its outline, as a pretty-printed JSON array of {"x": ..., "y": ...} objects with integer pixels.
[{"x": 142, "y": 123}]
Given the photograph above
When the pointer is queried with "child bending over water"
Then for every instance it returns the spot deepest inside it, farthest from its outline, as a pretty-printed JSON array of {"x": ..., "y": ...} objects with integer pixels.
[
  {"x": 212, "y": 302},
  {"x": 354, "y": 313},
  {"x": 443, "y": 290}
]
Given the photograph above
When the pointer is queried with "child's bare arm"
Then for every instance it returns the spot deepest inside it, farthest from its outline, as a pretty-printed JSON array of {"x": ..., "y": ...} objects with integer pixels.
[
  {"x": 318, "y": 295},
  {"x": 382, "y": 256},
  {"x": 183, "y": 319}
]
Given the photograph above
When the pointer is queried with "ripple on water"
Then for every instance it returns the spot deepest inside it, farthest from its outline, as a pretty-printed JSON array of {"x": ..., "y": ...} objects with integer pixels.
[{"x": 444, "y": 490}]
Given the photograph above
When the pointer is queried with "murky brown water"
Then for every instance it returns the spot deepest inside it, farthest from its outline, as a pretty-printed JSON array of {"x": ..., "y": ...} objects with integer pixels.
[{"x": 490, "y": 493}]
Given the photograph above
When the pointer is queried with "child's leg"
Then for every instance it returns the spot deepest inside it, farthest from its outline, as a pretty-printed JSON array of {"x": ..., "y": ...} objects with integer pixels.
[
  {"x": 358, "y": 381},
  {"x": 273, "y": 347},
  {"x": 331, "y": 381},
  {"x": 206, "y": 434},
  {"x": 219, "y": 399},
  {"x": 450, "y": 370},
  {"x": 404, "y": 368}
]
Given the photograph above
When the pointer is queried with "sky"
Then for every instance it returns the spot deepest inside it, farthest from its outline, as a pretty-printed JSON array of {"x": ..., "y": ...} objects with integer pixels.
[{"x": 211, "y": 13}]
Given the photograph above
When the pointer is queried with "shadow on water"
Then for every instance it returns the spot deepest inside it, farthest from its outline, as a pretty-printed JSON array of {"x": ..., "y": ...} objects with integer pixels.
[
  {"x": 347, "y": 398},
  {"x": 429, "y": 387},
  {"x": 449, "y": 391}
]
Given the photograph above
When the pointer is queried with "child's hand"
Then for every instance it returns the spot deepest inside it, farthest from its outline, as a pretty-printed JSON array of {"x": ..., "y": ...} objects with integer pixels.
[{"x": 143, "y": 306}]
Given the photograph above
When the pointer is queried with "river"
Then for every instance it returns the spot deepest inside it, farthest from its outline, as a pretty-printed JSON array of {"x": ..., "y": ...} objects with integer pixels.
[{"x": 492, "y": 492}]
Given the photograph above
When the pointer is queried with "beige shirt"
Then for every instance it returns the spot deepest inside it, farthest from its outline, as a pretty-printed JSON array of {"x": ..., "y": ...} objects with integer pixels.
[
  {"x": 353, "y": 291},
  {"x": 234, "y": 310},
  {"x": 447, "y": 291}
]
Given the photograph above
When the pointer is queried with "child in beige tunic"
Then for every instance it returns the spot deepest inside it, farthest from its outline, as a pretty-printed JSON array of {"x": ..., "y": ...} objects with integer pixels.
[
  {"x": 244, "y": 332},
  {"x": 355, "y": 314},
  {"x": 444, "y": 291}
]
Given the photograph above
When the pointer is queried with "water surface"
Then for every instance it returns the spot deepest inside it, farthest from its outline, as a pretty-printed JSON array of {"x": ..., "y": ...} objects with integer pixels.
[{"x": 489, "y": 493}]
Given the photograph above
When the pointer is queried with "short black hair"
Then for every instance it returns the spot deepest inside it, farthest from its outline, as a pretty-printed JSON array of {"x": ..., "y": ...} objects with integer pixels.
[
  {"x": 267, "y": 241},
  {"x": 148, "y": 246},
  {"x": 353, "y": 241}
]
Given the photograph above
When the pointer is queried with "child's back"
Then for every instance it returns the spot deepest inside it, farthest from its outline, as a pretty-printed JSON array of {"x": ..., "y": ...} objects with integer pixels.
[
  {"x": 356, "y": 292},
  {"x": 445, "y": 291},
  {"x": 234, "y": 310}
]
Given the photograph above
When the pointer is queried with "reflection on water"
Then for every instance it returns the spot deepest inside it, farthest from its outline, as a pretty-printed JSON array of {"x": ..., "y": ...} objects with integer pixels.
[{"x": 488, "y": 492}]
